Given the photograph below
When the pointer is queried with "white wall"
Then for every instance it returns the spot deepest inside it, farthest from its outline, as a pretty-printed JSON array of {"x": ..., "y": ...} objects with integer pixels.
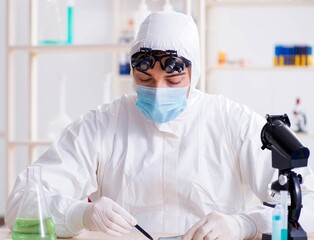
[{"x": 251, "y": 33}]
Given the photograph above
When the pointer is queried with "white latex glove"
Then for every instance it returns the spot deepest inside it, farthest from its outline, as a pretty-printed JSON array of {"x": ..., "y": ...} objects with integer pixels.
[
  {"x": 220, "y": 226},
  {"x": 107, "y": 216}
]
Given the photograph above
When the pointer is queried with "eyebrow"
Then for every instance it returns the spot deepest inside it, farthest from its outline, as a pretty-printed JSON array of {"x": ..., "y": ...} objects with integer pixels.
[
  {"x": 172, "y": 75},
  {"x": 176, "y": 74}
]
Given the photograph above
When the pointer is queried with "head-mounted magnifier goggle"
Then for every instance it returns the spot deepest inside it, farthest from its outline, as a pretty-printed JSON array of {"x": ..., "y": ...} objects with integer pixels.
[{"x": 169, "y": 60}]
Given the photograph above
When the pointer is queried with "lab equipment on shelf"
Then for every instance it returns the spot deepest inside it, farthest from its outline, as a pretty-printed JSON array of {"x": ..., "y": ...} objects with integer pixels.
[
  {"x": 127, "y": 36},
  {"x": 34, "y": 221},
  {"x": 298, "y": 55},
  {"x": 124, "y": 65},
  {"x": 52, "y": 23},
  {"x": 222, "y": 58},
  {"x": 70, "y": 19},
  {"x": 140, "y": 14},
  {"x": 55, "y": 22},
  {"x": 167, "y": 6},
  {"x": 56, "y": 126}
]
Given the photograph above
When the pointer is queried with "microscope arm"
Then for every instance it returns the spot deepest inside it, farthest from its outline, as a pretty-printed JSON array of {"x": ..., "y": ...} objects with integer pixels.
[{"x": 296, "y": 197}]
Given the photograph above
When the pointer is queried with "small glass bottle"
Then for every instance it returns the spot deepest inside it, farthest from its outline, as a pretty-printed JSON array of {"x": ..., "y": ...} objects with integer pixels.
[{"x": 33, "y": 221}]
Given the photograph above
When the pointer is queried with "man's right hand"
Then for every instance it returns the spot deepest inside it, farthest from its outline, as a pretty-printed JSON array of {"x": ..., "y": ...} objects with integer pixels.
[{"x": 107, "y": 216}]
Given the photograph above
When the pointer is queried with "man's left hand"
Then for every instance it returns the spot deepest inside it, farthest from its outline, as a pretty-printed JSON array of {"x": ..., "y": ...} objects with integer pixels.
[{"x": 219, "y": 226}]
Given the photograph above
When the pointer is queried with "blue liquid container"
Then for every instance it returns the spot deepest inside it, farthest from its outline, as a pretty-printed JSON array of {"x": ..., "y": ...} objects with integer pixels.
[
  {"x": 276, "y": 223},
  {"x": 70, "y": 12},
  {"x": 284, "y": 216}
]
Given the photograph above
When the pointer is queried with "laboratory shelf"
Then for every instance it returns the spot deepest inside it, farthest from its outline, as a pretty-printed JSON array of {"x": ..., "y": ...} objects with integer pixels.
[
  {"x": 101, "y": 48},
  {"x": 30, "y": 142},
  {"x": 259, "y": 3},
  {"x": 260, "y": 68}
]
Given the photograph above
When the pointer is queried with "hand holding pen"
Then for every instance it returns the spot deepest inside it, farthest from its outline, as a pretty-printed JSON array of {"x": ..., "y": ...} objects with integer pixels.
[
  {"x": 109, "y": 217},
  {"x": 161, "y": 238}
]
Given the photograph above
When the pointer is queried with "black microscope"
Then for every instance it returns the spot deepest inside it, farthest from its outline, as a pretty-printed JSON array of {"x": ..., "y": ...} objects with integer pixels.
[{"x": 288, "y": 152}]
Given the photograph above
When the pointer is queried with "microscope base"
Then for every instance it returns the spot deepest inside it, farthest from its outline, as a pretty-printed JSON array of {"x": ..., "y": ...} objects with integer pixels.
[{"x": 267, "y": 236}]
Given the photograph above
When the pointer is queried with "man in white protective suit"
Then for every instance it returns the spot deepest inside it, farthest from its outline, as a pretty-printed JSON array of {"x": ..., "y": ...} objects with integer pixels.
[{"x": 170, "y": 158}]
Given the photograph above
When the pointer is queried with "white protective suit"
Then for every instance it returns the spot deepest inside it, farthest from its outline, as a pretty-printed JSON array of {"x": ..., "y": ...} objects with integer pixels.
[{"x": 168, "y": 175}]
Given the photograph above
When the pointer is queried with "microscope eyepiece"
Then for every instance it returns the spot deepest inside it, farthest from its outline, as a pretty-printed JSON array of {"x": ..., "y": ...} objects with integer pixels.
[{"x": 277, "y": 136}]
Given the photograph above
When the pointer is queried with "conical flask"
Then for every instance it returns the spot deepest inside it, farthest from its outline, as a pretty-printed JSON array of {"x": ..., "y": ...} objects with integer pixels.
[
  {"x": 33, "y": 221},
  {"x": 58, "y": 124}
]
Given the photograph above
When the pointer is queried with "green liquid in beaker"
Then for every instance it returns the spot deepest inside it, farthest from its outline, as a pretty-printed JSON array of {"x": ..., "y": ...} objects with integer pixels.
[{"x": 30, "y": 229}]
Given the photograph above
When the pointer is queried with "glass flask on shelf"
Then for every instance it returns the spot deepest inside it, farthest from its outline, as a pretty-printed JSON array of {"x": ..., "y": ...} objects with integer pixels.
[
  {"x": 58, "y": 124},
  {"x": 33, "y": 221},
  {"x": 52, "y": 22}
]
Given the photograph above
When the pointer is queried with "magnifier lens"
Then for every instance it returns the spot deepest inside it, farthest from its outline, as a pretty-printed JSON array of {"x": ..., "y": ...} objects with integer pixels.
[
  {"x": 144, "y": 66},
  {"x": 170, "y": 65}
]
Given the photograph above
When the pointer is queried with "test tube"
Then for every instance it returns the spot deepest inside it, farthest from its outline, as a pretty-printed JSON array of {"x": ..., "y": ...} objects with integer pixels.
[
  {"x": 276, "y": 222},
  {"x": 284, "y": 205}
]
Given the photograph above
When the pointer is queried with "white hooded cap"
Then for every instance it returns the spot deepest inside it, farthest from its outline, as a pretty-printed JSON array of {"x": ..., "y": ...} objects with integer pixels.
[{"x": 171, "y": 31}]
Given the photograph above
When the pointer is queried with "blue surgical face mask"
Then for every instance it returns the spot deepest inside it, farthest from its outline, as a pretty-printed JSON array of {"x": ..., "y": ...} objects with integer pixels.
[{"x": 161, "y": 104}]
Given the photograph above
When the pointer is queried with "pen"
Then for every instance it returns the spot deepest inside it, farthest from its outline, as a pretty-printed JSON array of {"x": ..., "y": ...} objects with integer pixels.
[{"x": 144, "y": 232}]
